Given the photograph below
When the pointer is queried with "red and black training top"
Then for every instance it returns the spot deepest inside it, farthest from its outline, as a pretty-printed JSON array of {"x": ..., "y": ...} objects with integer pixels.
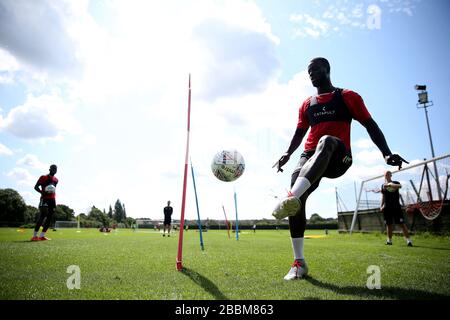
[
  {"x": 331, "y": 114},
  {"x": 45, "y": 181}
]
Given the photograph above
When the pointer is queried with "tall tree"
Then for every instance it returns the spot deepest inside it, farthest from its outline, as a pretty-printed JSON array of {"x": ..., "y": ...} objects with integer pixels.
[
  {"x": 12, "y": 206},
  {"x": 315, "y": 218},
  {"x": 64, "y": 213},
  {"x": 97, "y": 215},
  {"x": 110, "y": 212},
  {"x": 31, "y": 214},
  {"x": 118, "y": 212}
]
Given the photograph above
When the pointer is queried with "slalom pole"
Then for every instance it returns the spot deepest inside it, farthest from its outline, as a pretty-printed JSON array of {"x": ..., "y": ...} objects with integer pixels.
[
  {"x": 183, "y": 201},
  {"x": 237, "y": 221},
  {"x": 226, "y": 221},
  {"x": 198, "y": 211}
]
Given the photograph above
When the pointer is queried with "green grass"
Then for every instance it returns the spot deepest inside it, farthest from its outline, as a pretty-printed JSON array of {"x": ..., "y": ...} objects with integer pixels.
[{"x": 141, "y": 265}]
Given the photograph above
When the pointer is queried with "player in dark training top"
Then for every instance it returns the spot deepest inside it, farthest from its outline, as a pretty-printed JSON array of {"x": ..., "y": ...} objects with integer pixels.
[
  {"x": 46, "y": 186},
  {"x": 328, "y": 116},
  {"x": 168, "y": 210},
  {"x": 390, "y": 206}
]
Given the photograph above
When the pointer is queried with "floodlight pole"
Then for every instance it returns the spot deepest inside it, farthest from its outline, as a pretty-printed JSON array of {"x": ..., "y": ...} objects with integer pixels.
[{"x": 425, "y": 104}]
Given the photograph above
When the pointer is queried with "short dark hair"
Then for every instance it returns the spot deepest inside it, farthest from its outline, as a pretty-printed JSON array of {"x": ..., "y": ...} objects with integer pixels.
[
  {"x": 322, "y": 61},
  {"x": 54, "y": 166}
]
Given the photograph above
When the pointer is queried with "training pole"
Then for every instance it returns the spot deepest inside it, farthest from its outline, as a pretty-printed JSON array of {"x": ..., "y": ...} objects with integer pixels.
[
  {"x": 226, "y": 221},
  {"x": 198, "y": 210},
  {"x": 237, "y": 221},
  {"x": 183, "y": 200}
]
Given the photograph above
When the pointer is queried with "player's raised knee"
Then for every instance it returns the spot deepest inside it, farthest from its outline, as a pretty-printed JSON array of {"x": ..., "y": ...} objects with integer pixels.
[{"x": 328, "y": 142}]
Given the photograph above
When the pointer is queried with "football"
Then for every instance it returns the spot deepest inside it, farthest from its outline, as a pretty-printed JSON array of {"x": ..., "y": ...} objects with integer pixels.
[
  {"x": 50, "y": 189},
  {"x": 228, "y": 165}
]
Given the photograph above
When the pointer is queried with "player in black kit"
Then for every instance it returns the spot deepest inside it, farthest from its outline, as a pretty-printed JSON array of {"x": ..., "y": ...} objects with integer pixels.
[
  {"x": 390, "y": 206},
  {"x": 168, "y": 210}
]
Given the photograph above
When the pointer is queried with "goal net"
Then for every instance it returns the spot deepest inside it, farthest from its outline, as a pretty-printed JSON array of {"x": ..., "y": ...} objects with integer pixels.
[
  {"x": 66, "y": 224},
  {"x": 424, "y": 188}
]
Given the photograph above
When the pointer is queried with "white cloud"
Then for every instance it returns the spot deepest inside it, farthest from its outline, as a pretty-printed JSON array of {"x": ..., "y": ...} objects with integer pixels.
[
  {"x": 362, "y": 171},
  {"x": 31, "y": 198},
  {"x": 311, "y": 32},
  {"x": 238, "y": 61},
  {"x": 7, "y": 61},
  {"x": 313, "y": 27},
  {"x": 334, "y": 16},
  {"x": 358, "y": 11},
  {"x": 86, "y": 141},
  {"x": 39, "y": 33},
  {"x": 228, "y": 47},
  {"x": 8, "y": 66},
  {"x": 22, "y": 176},
  {"x": 32, "y": 161},
  {"x": 132, "y": 98},
  {"x": 369, "y": 157},
  {"x": 4, "y": 150},
  {"x": 363, "y": 143},
  {"x": 6, "y": 78},
  {"x": 45, "y": 116}
]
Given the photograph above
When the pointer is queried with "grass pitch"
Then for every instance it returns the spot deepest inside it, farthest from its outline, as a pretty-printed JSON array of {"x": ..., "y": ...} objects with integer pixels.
[{"x": 141, "y": 265}]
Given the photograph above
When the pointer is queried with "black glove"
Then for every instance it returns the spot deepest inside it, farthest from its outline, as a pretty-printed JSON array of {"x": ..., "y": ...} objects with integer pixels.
[
  {"x": 395, "y": 160},
  {"x": 280, "y": 163}
]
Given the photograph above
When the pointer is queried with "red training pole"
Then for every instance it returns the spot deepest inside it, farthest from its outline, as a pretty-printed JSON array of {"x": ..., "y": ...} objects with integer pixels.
[{"x": 183, "y": 201}]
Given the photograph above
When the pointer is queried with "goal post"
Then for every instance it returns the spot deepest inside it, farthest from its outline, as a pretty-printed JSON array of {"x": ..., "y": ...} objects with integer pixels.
[{"x": 421, "y": 189}]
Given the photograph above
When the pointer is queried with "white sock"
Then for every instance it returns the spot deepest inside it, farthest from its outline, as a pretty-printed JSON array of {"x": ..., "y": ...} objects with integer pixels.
[
  {"x": 42, "y": 234},
  {"x": 300, "y": 186},
  {"x": 408, "y": 240},
  {"x": 297, "y": 247},
  {"x": 389, "y": 239},
  {"x": 35, "y": 234}
]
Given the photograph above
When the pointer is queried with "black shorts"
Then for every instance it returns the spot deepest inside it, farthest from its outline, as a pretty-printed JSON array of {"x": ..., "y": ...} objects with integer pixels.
[
  {"x": 167, "y": 222},
  {"x": 393, "y": 215},
  {"x": 47, "y": 203},
  {"x": 340, "y": 161}
]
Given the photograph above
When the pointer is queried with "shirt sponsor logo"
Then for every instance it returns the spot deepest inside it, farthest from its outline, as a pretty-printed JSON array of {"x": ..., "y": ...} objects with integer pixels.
[{"x": 324, "y": 112}]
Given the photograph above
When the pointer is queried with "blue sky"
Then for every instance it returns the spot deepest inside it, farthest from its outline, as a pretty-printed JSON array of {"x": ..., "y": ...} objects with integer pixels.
[{"x": 100, "y": 88}]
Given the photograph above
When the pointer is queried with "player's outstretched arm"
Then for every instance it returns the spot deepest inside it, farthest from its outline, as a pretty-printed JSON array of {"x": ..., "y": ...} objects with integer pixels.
[
  {"x": 295, "y": 143},
  {"x": 377, "y": 137},
  {"x": 36, "y": 187}
]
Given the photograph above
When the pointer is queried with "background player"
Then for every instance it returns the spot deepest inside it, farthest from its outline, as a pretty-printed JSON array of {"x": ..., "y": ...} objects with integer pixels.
[
  {"x": 391, "y": 208},
  {"x": 168, "y": 210},
  {"x": 46, "y": 186}
]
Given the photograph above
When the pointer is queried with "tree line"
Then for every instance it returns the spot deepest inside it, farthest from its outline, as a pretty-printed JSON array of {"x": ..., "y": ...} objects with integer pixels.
[{"x": 15, "y": 212}]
